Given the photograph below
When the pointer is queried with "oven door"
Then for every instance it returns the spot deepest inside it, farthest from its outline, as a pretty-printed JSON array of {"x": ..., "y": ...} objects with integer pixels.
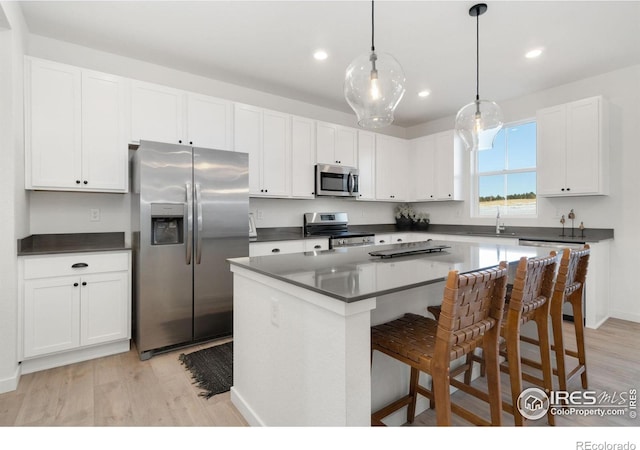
[{"x": 336, "y": 181}]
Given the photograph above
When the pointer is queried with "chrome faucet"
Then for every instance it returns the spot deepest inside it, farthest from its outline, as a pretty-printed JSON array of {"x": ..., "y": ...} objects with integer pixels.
[{"x": 499, "y": 228}]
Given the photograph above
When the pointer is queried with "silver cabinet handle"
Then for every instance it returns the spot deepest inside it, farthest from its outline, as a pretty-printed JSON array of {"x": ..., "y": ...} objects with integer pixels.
[
  {"x": 200, "y": 227},
  {"x": 189, "y": 222}
]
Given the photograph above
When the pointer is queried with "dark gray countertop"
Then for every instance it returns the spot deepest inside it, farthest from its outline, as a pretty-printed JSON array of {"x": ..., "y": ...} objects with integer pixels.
[
  {"x": 352, "y": 274},
  {"x": 44, "y": 244},
  {"x": 529, "y": 233}
]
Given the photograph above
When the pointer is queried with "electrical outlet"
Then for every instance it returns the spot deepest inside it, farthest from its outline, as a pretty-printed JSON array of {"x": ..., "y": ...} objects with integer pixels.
[
  {"x": 94, "y": 215},
  {"x": 260, "y": 214},
  {"x": 275, "y": 312}
]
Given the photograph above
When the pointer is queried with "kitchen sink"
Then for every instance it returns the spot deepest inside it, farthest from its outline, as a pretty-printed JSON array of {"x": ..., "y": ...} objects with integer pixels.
[{"x": 488, "y": 233}]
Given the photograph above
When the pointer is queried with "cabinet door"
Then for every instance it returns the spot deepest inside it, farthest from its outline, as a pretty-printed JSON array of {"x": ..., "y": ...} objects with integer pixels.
[
  {"x": 551, "y": 150},
  {"x": 275, "y": 158},
  {"x": 209, "y": 122},
  {"x": 156, "y": 113},
  {"x": 346, "y": 152},
  {"x": 423, "y": 168},
  {"x": 392, "y": 165},
  {"x": 326, "y": 143},
  {"x": 448, "y": 167},
  {"x": 104, "y": 308},
  {"x": 248, "y": 139},
  {"x": 104, "y": 144},
  {"x": 51, "y": 315},
  {"x": 302, "y": 157},
  {"x": 583, "y": 147},
  {"x": 367, "y": 165},
  {"x": 53, "y": 137}
]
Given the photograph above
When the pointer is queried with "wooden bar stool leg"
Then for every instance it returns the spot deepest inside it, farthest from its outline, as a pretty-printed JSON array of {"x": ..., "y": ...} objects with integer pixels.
[
  {"x": 442, "y": 397},
  {"x": 413, "y": 392},
  {"x": 515, "y": 369},
  {"x": 492, "y": 365},
  {"x": 579, "y": 327},
  {"x": 558, "y": 345},
  {"x": 542, "y": 322}
]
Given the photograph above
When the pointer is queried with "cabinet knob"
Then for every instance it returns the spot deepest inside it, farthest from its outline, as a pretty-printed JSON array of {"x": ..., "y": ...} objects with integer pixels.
[
  {"x": 399, "y": 240},
  {"x": 562, "y": 189},
  {"x": 180, "y": 141},
  {"x": 568, "y": 189},
  {"x": 317, "y": 246},
  {"x": 75, "y": 284},
  {"x": 84, "y": 283},
  {"x": 78, "y": 265},
  {"x": 190, "y": 143},
  {"x": 85, "y": 182},
  {"x": 449, "y": 195},
  {"x": 77, "y": 181},
  {"x": 382, "y": 241},
  {"x": 275, "y": 250}
]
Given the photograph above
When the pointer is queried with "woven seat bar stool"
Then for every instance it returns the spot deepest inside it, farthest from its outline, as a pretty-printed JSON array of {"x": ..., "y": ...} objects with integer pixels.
[
  {"x": 569, "y": 288},
  {"x": 529, "y": 299},
  {"x": 472, "y": 309}
]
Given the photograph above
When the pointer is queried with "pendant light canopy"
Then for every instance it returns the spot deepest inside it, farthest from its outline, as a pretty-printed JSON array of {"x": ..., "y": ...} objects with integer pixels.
[
  {"x": 374, "y": 85},
  {"x": 478, "y": 122}
]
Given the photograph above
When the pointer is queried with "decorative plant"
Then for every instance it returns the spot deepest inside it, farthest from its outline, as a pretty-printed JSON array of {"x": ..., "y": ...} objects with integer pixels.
[
  {"x": 404, "y": 211},
  {"x": 420, "y": 217}
]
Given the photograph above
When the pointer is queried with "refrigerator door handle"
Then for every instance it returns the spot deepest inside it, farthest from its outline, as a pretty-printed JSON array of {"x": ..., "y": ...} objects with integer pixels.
[
  {"x": 199, "y": 230},
  {"x": 189, "y": 223}
]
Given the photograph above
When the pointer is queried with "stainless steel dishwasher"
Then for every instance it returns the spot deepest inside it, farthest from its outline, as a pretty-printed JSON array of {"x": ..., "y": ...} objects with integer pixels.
[{"x": 567, "y": 311}]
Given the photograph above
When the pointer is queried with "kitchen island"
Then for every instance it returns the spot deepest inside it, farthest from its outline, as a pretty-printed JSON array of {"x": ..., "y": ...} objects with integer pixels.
[{"x": 302, "y": 327}]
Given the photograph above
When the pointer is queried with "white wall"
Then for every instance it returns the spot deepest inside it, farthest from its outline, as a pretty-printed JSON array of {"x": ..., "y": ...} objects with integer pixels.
[{"x": 13, "y": 200}]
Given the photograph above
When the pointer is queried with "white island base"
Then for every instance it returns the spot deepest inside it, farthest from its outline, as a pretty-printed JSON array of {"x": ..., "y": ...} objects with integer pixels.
[{"x": 303, "y": 359}]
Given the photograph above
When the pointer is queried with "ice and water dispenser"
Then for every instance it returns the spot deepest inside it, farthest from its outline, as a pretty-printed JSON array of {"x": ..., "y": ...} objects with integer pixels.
[{"x": 167, "y": 223}]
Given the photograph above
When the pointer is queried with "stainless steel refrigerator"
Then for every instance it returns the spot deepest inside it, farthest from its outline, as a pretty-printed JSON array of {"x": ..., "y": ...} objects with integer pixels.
[{"x": 190, "y": 211}]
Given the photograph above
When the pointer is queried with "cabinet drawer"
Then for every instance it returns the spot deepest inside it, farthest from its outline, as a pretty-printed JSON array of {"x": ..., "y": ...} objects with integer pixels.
[
  {"x": 57, "y": 265},
  {"x": 275, "y": 248}
]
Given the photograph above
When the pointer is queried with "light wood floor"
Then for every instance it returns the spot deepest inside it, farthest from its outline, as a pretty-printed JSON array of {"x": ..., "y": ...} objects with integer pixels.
[{"x": 123, "y": 391}]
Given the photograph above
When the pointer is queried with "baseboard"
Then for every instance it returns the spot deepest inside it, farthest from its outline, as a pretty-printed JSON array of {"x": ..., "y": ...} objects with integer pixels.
[
  {"x": 247, "y": 412},
  {"x": 11, "y": 383},
  {"x": 623, "y": 315},
  {"x": 85, "y": 354}
]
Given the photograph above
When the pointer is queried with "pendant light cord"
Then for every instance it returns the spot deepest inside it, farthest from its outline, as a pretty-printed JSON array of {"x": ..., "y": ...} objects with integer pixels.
[
  {"x": 478, "y": 55},
  {"x": 373, "y": 47}
]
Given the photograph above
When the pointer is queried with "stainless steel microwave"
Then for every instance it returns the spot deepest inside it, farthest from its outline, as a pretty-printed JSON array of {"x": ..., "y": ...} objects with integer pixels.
[{"x": 336, "y": 181}]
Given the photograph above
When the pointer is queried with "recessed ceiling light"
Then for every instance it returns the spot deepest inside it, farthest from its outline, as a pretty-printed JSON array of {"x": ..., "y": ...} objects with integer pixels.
[
  {"x": 533, "y": 53},
  {"x": 320, "y": 55},
  {"x": 424, "y": 93}
]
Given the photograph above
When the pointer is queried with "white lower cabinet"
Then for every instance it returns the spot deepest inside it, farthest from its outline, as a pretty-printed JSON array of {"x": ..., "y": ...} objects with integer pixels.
[
  {"x": 74, "y": 301},
  {"x": 288, "y": 246}
]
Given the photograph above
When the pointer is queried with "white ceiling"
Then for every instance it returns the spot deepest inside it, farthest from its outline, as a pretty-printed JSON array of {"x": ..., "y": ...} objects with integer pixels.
[{"x": 268, "y": 45}]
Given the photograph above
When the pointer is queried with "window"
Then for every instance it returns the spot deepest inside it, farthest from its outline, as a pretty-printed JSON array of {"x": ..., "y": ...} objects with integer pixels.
[{"x": 506, "y": 174}]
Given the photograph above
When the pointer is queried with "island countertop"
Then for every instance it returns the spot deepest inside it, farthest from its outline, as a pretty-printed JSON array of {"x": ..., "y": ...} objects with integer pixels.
[{"x": 352, "y": 274}]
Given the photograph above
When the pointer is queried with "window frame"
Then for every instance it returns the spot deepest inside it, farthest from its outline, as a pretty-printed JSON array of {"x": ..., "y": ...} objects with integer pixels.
[{"x": 475, "y": 184}]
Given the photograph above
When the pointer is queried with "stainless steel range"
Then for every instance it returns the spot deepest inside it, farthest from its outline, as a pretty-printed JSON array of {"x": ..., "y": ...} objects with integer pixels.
[{"x": 334, "y": 225}]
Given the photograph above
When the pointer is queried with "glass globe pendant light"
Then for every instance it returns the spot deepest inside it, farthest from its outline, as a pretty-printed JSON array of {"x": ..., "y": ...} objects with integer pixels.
[
  {"x": 478, "y": 122},
  {"x": 374, "y": 85}
]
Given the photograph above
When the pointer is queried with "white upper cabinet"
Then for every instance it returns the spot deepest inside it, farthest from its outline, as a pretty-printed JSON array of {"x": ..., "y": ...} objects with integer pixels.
[
  {"x": 367, "y": 165},
  {"x": 266, "y": 137},
  {"x": 437, "y": 166},
  {"x": 164, "y": 114},
  {"x": 303, "y": 157},
  {"x": 392, "y": 167},
  {"x": 209, "y": 122},
  {"x": 157, "y": 113},
  {"x": 572, "y": 149},
  {"x": 336, "y": 144},
  {"x": 75, "y": 136}
]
